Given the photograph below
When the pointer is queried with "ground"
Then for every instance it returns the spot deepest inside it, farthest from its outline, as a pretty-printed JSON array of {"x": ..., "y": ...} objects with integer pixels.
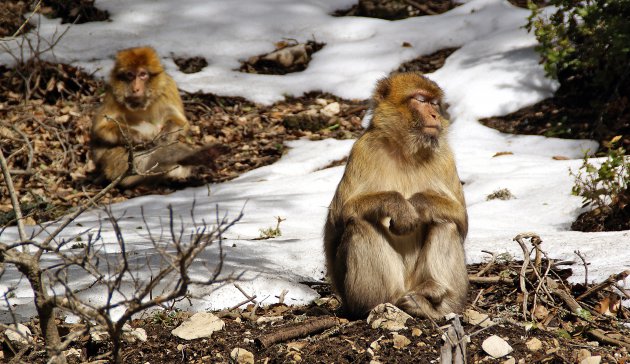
[
  {"x": 563, "y": 335},
  {"x": 45, "y": 131}
]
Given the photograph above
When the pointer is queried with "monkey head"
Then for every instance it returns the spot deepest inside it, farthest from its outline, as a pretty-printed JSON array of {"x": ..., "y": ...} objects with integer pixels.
[
  {"x": 135, "y": 76},
  {"x": 408, "y": 106}
]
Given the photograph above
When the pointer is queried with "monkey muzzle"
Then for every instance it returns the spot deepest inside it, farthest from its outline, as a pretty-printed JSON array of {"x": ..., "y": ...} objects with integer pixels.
[{"x": 136, "y": 102}]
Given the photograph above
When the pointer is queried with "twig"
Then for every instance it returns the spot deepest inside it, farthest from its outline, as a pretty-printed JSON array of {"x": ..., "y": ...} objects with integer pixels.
[
  {"x": 611, "y": 280},
  {"x": 583, "y": 258},
  {"x": 249, "y": 299},
  {"x": 602, "y": 337},
  {"x": 493, "y": 258},
  {"x": 526, "y": 260},
  {"x": 568, "y": 300},
  {"x": 492, "y": 279},
  {"x": 14, "y": 200},
  {"x": 453, "y": 350},
  {"x": 304, "y": 329}
]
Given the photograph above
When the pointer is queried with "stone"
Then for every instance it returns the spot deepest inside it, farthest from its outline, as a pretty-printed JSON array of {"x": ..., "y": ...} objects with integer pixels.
[
  {"x": 400, "y": 341},
  {"x": 510, "y": 361},
  {"x": 331, "y": 109},
  {"x": 133, "y": 335},
  {"x": 72, "y": 353},
  {"x": 200, "y": 325},
  {"x": 582, "y": 354},
  {"x": 596, "y": 359},
  {"x": 477, "y": 318},
  {"x": 496, "y": 347},
  {"x": 99, "y": 336},
  {"x": 416, "y": 332},
  {"x": 387, "y": 316},
  {"x": 19, "y": 335},
  {"x": 242, "y": 356},
  {"x": 533, "y": 344}
]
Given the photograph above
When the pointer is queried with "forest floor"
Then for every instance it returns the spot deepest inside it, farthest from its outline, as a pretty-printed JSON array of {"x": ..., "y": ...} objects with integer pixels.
[{"x": 45, "y": 132}]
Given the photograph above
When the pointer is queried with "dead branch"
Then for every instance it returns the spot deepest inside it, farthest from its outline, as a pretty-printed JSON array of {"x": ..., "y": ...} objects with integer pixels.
[
  {"x": 608, "y": 282},
  {"x": 490, "y": 264},
  {"x": 602, "y": 337},
  {"x": 489, "y": 280},
  {"x": 14, "y": 200},
  {"x": 453, "y": 350},
  {"x": 305, "y": 328},
  {"x": 526, "y": 261},
  {"x": 568, "y": 300},
  {"x": 583, "y": 259}
]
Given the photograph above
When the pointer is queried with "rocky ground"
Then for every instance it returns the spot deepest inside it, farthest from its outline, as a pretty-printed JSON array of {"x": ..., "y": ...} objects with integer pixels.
[{"x": 44, "y": 126}]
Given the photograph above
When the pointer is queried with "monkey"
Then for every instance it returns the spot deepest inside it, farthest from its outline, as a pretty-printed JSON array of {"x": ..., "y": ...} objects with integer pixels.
[
  {"x": 397, "y": 222},
  {"x": 142, "y": 111}
]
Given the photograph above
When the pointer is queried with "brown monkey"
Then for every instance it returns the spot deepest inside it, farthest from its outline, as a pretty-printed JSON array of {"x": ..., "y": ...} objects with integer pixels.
[
  {"x": 142, "y": 109},
  {"x": 397, "y": 223}
]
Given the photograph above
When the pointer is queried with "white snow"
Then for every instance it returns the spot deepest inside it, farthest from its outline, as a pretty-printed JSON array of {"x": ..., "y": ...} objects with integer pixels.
[{"x": 495, "y": 71}]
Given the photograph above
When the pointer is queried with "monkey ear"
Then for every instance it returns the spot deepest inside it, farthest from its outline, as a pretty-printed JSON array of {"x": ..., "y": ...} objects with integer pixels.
[{"x": 382, "y": 90}]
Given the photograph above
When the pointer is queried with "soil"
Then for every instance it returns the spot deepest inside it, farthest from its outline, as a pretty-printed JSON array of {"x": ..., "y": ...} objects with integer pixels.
[{"x": 562, "y": 335}]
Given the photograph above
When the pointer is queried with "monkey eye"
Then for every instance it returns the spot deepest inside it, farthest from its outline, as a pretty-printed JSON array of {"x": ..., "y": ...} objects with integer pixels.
[
  {"x": 143, "y": 75},
  {"x": 420, "y": 97},
  {"x": 434, "y": 102}
]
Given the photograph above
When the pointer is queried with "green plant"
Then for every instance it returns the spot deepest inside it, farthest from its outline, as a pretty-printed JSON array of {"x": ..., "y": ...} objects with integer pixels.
[
  {"x": 587, "y": 40},
  {"x": 601, "y": 186},
  {"x": 271, "y": 232}
]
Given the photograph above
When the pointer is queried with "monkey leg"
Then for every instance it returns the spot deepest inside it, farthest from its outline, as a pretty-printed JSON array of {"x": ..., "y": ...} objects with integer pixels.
[
  {"x": 440, "y": 278},
  {"x": 368, "y": 271}
]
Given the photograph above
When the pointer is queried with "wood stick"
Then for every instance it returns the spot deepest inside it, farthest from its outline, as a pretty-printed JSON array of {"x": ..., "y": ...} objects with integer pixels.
[
  {"x": 492, "y": 279},
  {"x": 612, "y": 279},
  {"x": 602, "y": 337},
  {"x": 305, "y": 328}
]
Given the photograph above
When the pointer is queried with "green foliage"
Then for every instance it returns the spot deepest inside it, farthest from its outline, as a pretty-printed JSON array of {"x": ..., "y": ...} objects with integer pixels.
[
  {"x": 587, "y": 39},
  {"x": 599, "y": 186},
  {"x": 271, "y": 232}
]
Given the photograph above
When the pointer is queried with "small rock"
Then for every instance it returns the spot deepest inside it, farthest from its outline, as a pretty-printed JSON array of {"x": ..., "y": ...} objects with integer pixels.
[
  {"x": 72, "y": 353},
  {"x": 99, "y": 336},
  {"x": 496, "y": 347},
  {"x": 533, "y": 344},
  {"x": 510, "y": 361},
  {"x": 321, "y": 101},
  {"x": 416, "y": 332},
  {"x": 582, "y": 354},
  {"x": 592, "y": 360},
  {"x": 541, "y": 312},
  {"x": 133, "y": 335},
  {"x": 242, "y": 356},
  {"x": 19, "y": 335},
  {"x": 387, "y": 316},
  {"x": 375, "y": 346},
  {"x": 477, "y": 318},
  {"x": 200, "y": 325},
  {"x": 331, "y": 109},
  {"x": 400, "y": 341}
]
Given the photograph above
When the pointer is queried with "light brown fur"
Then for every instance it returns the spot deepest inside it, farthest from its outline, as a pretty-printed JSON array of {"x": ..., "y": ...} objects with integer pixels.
[
  {"x": 397, "y": 223},
  {"x": 142, "y": 110}
]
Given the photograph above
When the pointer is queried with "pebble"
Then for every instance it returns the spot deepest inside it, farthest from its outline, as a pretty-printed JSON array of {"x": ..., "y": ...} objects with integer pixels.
[{"x": 496, "y": 347}]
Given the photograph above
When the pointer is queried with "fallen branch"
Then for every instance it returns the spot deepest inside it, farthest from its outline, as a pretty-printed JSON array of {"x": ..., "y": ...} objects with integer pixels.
[
  {"x": 608, "y": 282},
  {"x": 492, "y": 279},
  {"x": 490, "y": 264},
  {"x": 453, "y": 350},
  {"x": 602, "y": 337},
  {"x": 303, "y": 329}
]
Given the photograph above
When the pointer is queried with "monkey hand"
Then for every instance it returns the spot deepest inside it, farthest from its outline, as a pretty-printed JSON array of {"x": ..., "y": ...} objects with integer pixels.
[{"x": 403, "y": 216}]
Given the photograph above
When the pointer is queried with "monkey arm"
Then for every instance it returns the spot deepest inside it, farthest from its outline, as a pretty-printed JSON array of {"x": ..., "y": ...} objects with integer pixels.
[
  {"x": 175, "y": 124},
  {"x": 376, "y": 206},
  {"x": 436, "y": 207}
]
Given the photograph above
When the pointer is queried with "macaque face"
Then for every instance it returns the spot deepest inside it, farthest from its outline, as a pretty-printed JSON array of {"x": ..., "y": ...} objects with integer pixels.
[
  {"x": 425, "y": 110},
  {"x": 136, "y": 95}
]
